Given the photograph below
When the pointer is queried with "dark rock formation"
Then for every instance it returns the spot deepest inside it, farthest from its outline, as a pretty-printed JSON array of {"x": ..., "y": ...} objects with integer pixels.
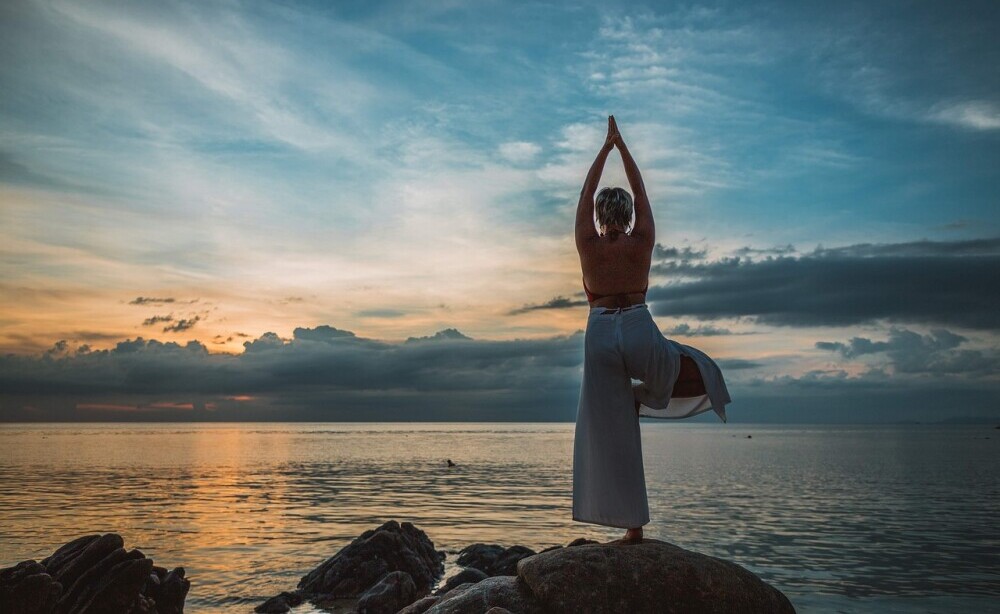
[
  {"x": 579, "y": 541},
  {"x": 27, "y": 587},
  {"x": 393, "y": 592},
  {"x": 493, "y": 559},
  {"x": 509, "y": 592},
  {"x": 651, "y": 576},
  {"x": 280, "y": 603},
  {"x": 358, "y": 567},
  {"x": 420, "y": 606},
  {"x": 90, "y": 575},
  {"x": 469, "y": 575},
  {"x": 376, "y": 552},
  {"x": 390, "y": 568}
]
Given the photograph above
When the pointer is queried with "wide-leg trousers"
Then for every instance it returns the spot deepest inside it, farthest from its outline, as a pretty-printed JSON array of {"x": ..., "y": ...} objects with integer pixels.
[{"x": 609, "y": 486}]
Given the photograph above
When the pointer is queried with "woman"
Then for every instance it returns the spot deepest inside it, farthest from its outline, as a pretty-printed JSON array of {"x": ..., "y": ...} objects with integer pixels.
[{"x": 622, "y": 343}]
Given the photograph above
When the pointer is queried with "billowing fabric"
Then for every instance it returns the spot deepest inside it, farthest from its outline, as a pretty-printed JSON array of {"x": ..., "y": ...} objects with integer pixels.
[{"x": 609, "y": 486}]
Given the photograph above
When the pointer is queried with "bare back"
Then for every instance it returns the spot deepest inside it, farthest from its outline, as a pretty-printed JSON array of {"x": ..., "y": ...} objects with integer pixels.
[{"x": 615, "y": 264}]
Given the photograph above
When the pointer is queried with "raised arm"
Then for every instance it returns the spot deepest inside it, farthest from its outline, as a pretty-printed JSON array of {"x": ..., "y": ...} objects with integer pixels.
[
  {"x": 585, "y": 208},
  {"x": 644, "y": 227}
]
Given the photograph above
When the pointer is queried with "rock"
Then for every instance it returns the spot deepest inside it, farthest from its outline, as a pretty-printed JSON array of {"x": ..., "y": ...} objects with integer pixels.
[
  {"x": 469, "y": 575},
  {"x": 357, "y": 568},
  {"x": 168, "y": 589},
  {"x": 420, "y": 606},
  {"x": 579, "y": 541},
  {"x": 363, "y": 562},
  {"x": 509, "y": 592},
  {"x": 281, "y": 603},
  {"x": 493, "y": 559},
  {"x": 118, "y": 590},
  {"x": 498, "y": 610},
  {"x": 651, "y": 576},
  {"x": 27, "y": 587},
  {"x": 93, "y": 574},
  {"x": 393, "y": 592}
]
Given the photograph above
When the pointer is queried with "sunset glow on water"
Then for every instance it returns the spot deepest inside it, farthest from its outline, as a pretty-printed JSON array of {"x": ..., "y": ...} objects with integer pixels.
[{"x": 856, "y": 519}]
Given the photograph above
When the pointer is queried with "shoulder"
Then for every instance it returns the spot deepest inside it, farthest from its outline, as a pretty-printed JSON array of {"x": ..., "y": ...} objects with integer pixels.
[{"x": 642, "y": 237}]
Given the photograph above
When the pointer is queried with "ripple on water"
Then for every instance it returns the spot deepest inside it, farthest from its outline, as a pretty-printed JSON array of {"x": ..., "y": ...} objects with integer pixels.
[{"x": 840, "y": 518}]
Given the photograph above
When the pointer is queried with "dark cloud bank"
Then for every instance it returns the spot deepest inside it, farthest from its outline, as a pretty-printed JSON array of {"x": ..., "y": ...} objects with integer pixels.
[
  {"x": 948, "y": 283},
  {"x": 325, "y": 373}
]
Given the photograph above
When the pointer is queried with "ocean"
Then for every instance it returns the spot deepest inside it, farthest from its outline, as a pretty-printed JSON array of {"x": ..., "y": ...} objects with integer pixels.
[{"x": 840, "y": 518}]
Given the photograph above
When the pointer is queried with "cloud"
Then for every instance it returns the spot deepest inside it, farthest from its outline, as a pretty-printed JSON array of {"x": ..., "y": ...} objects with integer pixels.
[
  {"x": 519, "y": 152},
  {"x": 704, "y": 330},
  {"x": 970, "y": 114},
  {"x": 910, "y": 352},
  {"x": 943, "y": 283},
  {"x": 322, "y": 372},
  {"x": 148, "y": 300},
  {"x": 325, "y": 373},
  {"x": 778, "y": 250},
  {"x": 182, "y": 325},
  {"x": 157, "y": 319},
  {"x": 448, "y": 334},
  {"x": 321, "y": 333},
  {"x": 737, "y": 364},
  {"x": 559, "y": 302},
  {"x": 682, "y": 254}
]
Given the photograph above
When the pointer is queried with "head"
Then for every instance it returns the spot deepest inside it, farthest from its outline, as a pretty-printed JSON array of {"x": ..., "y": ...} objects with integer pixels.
[{"x": 614, "y": 208}]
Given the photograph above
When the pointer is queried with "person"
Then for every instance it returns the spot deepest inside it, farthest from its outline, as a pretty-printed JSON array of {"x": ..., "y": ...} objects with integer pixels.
[{"x": 622, "y": 343}]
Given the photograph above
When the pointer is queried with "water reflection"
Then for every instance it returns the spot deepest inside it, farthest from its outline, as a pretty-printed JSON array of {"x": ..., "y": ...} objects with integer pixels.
[{"x": 842, "y": 517}]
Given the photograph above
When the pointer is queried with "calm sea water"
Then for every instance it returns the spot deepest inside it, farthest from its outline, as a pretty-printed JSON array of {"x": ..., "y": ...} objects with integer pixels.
[{"x": 842, "y": 519}]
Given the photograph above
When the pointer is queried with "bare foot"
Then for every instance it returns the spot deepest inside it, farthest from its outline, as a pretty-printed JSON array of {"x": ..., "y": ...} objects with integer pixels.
[{"x": 633, "y": 536}]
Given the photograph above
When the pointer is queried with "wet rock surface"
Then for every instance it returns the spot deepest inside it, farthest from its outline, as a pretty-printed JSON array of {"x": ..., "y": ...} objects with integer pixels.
[
  {"x": 493, "y": 559},
  {"x": 651, "y": 576},
  {"x": 392, "y": 569},
  {"x": 393, "y": 592},
  {"x": 90, "y": 575},
  {"x": 508, "y": 592},
  {"x": 469, "y": 575},
  {"x": 358, "y": 568}
]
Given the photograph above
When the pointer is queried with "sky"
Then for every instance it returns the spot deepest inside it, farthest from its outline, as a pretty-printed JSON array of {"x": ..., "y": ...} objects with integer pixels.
[{"x": 363, "y": 210}]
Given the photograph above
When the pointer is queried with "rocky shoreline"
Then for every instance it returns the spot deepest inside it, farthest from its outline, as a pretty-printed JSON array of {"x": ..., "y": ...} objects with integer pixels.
[
  {"x": 394, "y": 568},
  {"x": 93, "y": 574}
]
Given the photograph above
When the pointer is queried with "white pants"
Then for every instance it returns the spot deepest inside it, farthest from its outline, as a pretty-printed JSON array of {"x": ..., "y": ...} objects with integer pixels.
[{"x": 609, "y": 486}]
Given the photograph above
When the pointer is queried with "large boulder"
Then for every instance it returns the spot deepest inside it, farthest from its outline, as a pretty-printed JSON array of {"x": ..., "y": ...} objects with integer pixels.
[
  {"x": 651, "y": 576},
  {"x": 93, "y": 574},
  {"x": 508, "y": 592}
]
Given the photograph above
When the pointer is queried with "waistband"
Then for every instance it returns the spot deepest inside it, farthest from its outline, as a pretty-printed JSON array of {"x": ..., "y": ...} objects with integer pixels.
[{"x": 616, "y": 310}]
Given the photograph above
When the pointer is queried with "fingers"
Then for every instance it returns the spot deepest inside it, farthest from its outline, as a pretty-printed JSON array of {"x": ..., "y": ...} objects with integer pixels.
[{"x": 613, "y": 134}]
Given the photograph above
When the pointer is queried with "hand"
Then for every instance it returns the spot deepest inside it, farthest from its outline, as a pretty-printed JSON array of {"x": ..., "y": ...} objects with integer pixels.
[{"x": 614, "y": 137}]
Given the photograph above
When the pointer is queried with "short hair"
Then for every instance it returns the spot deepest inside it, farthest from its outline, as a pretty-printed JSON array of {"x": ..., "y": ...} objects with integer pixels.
[{"x": 614, "y": 206}]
